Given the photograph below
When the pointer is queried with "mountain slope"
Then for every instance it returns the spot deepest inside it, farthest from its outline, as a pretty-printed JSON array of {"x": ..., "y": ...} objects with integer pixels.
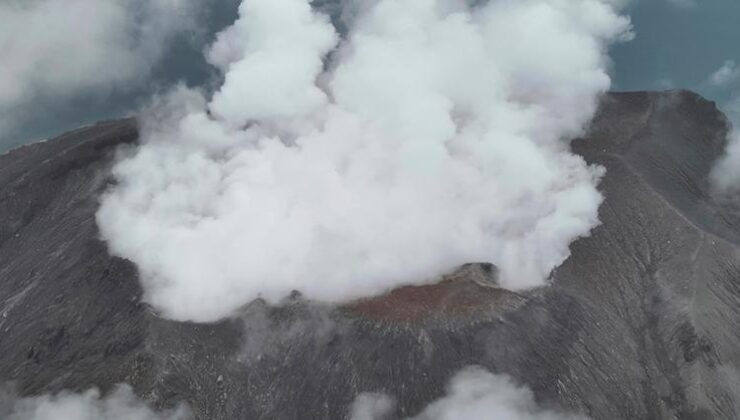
[{"x": 641, "y": 321}]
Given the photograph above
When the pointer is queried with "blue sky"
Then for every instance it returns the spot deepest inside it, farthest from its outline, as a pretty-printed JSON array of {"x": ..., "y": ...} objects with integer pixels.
[{"x": 681, "y": 43}]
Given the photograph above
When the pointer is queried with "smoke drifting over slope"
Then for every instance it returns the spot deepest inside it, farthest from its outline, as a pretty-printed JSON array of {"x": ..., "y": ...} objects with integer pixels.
[
  {"x": 473, "y": 394},
  {"x": 435, "y": 136},
  {"x": 121, "y": 404},
  {"x": 726, "y": 174}
]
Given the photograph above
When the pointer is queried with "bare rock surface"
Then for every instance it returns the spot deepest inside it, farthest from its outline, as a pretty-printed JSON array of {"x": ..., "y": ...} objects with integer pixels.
[{"x": 641, "y": 322}]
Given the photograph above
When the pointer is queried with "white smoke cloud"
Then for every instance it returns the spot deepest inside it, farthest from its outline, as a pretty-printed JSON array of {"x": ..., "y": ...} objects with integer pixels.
[
  {"x": 121, "y": 404},
  {"x": 472, "y": 394},
  {"x": 725, "y": 175},
  {"x": 371, "y": 406},
  {"x": 436, "y": 136},
  {"x": 725, "y": 75},
  {"x": 56, "y": 49},
  {"x": 271, "y": 57},
  {"x": 476, "y": 394}
]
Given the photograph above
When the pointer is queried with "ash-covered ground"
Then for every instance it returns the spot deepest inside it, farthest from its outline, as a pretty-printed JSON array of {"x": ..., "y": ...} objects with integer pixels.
[{"x": 641, "y": 322}]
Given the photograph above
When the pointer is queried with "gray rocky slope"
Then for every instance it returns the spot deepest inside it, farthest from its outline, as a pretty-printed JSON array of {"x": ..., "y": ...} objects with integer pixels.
[{"x": 641, "y": 322}]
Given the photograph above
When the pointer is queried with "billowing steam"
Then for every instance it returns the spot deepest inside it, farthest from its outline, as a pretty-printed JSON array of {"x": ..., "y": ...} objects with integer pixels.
[
  {"x": 371, "y": 406},
  {"x": 472, "y": 394},
  {"x": 121, "y": 404},
  {"x": 726, "y": 174},
  {"x": 434, "y": 135}
]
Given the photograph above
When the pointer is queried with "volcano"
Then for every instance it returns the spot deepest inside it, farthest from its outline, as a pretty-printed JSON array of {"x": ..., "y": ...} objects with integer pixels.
[{"x": 641, "y": 322}]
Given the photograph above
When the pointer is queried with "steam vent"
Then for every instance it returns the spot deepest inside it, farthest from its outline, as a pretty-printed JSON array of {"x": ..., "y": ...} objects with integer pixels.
[{"x": 642, "y": 321}]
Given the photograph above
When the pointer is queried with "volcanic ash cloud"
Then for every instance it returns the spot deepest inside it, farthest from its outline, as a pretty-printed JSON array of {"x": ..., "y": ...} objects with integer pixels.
[{"x": 434, "y": 134}]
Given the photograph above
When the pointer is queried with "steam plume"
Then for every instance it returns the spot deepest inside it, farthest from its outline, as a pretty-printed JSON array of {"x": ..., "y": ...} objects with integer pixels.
[
  {"x": 121, "y": 404},
  {"x": 371, "y": 406},
  {"x": 435, "y": 136},
  {"x": 472, "y": 394},
  {"x": 726, "y": 173},
  {"x": 476, "y": 394}
]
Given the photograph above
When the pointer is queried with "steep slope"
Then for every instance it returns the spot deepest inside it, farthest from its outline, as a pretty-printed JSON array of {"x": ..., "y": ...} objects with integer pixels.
[{"x": 641, "y": 322}]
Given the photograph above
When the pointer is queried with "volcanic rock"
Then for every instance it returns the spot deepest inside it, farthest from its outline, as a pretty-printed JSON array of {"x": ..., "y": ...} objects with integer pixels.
[{"x": 641, "y": 322}]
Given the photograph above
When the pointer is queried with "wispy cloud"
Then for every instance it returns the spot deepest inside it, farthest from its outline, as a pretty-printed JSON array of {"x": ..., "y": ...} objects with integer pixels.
[
  {"x": 725, "y": 75},
  {"x": 53, "y": 51},
  {"x": 472, "y": 394},
  {"x": 121, "y": 404}
]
